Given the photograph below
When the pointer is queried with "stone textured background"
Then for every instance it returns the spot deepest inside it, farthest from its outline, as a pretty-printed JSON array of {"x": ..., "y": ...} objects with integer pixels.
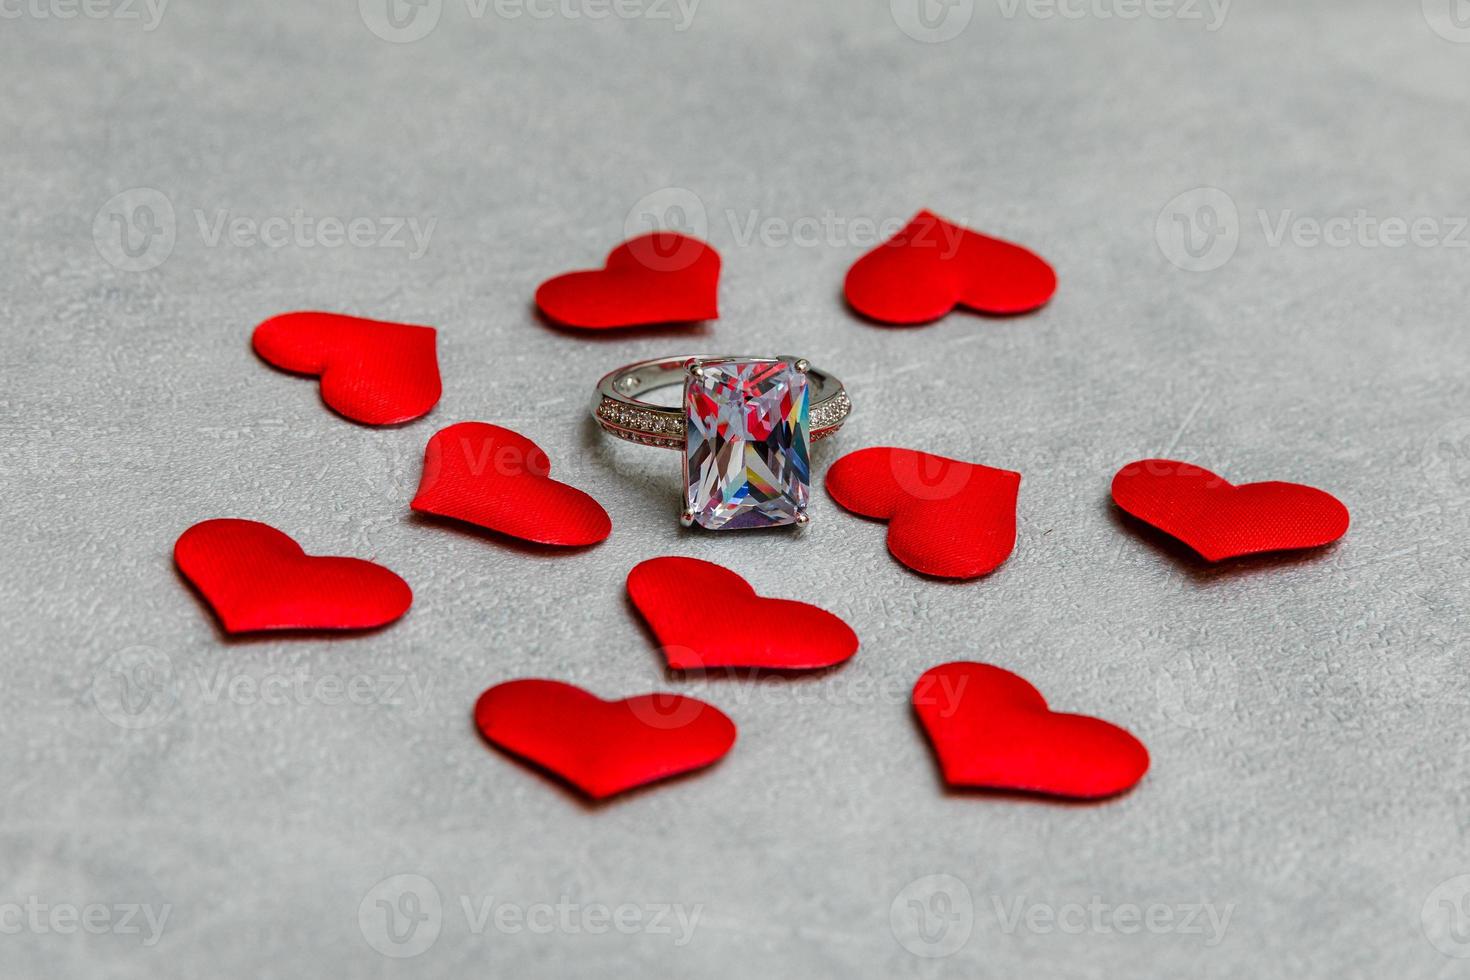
[{"x": 1306, "y": 717}]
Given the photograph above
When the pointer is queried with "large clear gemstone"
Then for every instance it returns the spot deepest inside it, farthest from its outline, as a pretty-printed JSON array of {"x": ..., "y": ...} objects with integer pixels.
[{"x": 746, "y": 459}]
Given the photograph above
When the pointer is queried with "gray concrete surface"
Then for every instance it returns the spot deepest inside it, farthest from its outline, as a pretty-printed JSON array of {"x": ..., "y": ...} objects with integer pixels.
[{"x": 1306, "y": 812}]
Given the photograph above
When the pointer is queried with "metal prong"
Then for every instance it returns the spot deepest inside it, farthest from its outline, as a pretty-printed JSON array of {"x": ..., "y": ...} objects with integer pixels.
[
  {"x": 802, "y": 520},
  {"x": 687, "y": 518},
  {"x": 803, "y": 365},
  {"x": 694, "y": 369}
]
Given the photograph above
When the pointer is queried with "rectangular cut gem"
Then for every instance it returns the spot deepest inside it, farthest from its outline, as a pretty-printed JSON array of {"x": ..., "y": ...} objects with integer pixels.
[{"x": 746, "y": 456}]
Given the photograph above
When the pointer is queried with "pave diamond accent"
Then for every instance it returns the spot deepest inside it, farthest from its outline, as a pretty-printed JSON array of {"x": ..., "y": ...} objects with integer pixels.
[
  {"x": 747, "y": 457},
  {"x": 641, "y": 426},
  {"x": 830, "y": 412}
]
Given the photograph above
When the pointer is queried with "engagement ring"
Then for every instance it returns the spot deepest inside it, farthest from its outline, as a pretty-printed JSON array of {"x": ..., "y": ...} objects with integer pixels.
[{"x": 745, "y": 428}]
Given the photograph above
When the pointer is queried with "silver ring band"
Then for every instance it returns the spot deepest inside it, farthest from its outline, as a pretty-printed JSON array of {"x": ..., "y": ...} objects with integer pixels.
[{"x": 621, "y": 411}]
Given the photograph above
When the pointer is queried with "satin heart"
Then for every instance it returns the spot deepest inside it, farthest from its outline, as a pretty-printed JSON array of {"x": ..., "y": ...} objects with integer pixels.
[
  {"x": 1219, "y": 520},
  {"x": 945, "y": 518},
  {"x": 498, "y": 479},
  {"x": 675, "y": 596},
  {"x": 372, "y": 372},
  {"x": 256, "y": 578},
  {"x": 603, "y": 747},
  {"x": 993, "y": 730},
  {"x": 657, "y": 278},
  {"x": 932, "y": 266}
]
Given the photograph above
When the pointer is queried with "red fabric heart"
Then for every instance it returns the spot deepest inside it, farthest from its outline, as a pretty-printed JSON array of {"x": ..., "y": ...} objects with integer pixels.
[
  {"x": 603, "y": 747},
  {"x": 1220, "y": 520},
  {"x": 372, "y": 372},
  {"x": 256, "y": 578},
  {"x": 498, "y": 479},
  {"x": 993, "y": 730},
  {"x": 675, "y": 596},
  {"x": 932, "y": 266},
  {"x": 663, "y": 277},
  {"x": 946, "y": 518}
]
